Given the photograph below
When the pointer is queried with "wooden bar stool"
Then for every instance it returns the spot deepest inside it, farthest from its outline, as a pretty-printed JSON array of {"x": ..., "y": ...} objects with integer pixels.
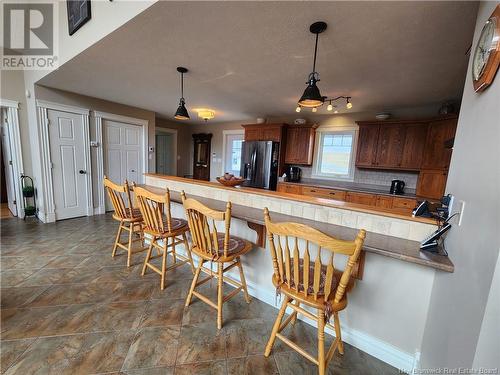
[
  {"x": 212, "y": 246},
  {"x": 310, "y": 282},
  {"x": 162, "y": 227},
  {"x": 129, "y": 217}
]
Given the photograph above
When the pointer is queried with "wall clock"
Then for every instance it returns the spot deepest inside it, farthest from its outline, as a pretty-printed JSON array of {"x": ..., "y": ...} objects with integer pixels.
[{"x": 487, "y": 53}]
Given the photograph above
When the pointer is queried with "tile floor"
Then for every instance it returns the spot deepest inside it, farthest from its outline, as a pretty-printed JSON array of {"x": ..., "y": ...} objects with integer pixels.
[{"x": 68, "y": 307}]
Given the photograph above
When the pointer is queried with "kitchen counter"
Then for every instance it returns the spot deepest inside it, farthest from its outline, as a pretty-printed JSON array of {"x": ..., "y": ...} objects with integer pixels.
[
  {"x": 302, "y": 198},
  {"x": 388, "y": 246},
  {"x": 360, "y": 188}
]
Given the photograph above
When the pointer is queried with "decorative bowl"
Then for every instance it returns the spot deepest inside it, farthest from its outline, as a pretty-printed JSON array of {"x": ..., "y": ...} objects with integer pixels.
[{"x": 232, "y": 183}]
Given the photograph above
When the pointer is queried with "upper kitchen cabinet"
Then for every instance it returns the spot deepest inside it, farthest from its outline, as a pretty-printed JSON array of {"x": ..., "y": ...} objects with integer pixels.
[
  {"x": 413, "y": 148},
  {"x": 265, "y": 132},
  {"x": 391, "y": 145},
  {"x": 300, "y": 144},
  {"x": 437, "y": 154},
  {"x": 367, "y": 145}
]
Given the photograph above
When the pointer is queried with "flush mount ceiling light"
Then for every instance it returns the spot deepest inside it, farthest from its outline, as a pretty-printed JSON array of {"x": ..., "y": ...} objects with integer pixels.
[
  {"x": 206, "y": 114},
  {"x": 182, "y": 113},
  {"x": 312, "y": 98}
]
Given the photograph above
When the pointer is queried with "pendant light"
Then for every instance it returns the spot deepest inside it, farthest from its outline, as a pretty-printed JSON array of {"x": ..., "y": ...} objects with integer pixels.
[
  {"x": 312, "y": 97},
  {"x": 182, "y": 113}
]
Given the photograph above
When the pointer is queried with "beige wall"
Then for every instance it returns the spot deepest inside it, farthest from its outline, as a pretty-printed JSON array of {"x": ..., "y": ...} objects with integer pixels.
[
  {"x": 459, "y": 299},
  {"x": 12, "y": 88}
]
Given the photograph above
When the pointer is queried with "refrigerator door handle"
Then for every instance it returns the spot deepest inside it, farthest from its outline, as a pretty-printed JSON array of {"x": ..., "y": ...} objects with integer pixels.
[{"x": 253, "y": 164}]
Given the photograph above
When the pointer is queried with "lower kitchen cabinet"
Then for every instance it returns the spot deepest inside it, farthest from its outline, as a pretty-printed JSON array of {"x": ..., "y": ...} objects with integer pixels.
[
  {"x": 361, "y": 198},
  {"x": 289, "y": 188},
  {"x": 383, "y": 201}
]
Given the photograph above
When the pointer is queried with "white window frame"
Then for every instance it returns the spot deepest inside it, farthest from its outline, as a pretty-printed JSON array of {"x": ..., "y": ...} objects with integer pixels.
[
  {"x": 320, "y": 132},
  {"x": 225, "y": 133}
]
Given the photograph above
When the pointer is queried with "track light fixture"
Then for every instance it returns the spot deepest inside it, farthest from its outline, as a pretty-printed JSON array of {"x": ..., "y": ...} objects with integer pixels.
[{"x": 312, "y": 97}]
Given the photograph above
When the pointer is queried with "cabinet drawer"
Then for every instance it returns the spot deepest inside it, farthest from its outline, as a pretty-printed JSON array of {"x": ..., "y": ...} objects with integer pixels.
[
  {"x": 324, "y": 193},
  {"x": 403, "y": 203},
  {"x": 290, "y": 189},
  {"x": 361, "y": 198}
]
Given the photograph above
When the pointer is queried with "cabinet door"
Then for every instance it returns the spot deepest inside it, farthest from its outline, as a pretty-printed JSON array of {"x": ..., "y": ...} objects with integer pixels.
[
  {"x": 383, "y": 201},
  {"x": 390, "y": 146},
  {"x": 300, "y": 145},
  {"x": 253, "y": 134},
  {"x": 367, "y": 145},
  {"x": 403, "y": 205},
  {"x": 271, "y": 134},
  {"x": 436, "y": 155},
  {"x": 414, "y": 146},
  {"x": 431, "y": 184},
  {"x": 361, "y": 198}
]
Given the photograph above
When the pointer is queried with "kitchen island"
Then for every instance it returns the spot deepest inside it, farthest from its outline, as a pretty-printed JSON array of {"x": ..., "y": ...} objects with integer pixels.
[{"x": 387, "y": 308}]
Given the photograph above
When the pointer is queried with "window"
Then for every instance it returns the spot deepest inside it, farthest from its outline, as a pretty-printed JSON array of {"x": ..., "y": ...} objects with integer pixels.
[
  {"x": 233, "y": 144},
  {"x": 335, "y": 154}
]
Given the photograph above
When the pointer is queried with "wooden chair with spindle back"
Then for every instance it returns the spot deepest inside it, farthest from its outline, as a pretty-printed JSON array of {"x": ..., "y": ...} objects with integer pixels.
[
  {"x": 213, "y": 246},
  {"x": 161, "y": 226},
  {"x": 311, "y": 282},
  {"x": 129, "y": 217}
]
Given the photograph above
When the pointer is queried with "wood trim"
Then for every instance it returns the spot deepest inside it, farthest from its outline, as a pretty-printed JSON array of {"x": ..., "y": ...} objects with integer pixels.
[
  {"x": 9, "y": 103},
  {"x": 62, "y": 107},
  {"x": 261, "y": 233}
]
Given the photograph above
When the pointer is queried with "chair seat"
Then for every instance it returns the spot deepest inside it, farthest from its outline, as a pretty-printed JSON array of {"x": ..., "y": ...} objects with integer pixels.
[
  {"x": 292, "y": 292},
  {"x": 178, "y": 226},
  {"x": 236, "y": 246},
  {"x": 135, "y": 217}
]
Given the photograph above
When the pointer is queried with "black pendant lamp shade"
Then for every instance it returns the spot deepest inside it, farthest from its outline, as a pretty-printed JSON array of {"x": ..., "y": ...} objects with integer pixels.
[
  {"x": 182, "y": 113},
  {"x": 311, "y": 96}
]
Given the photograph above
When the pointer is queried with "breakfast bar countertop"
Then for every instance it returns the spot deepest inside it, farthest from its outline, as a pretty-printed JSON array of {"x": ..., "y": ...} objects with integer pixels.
[{"x": 393, "y": 247}]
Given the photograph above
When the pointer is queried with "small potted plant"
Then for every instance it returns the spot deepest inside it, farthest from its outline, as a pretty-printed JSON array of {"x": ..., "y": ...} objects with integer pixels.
[
  {"x": 28, "y": 191},
  {"x": 29, "y": 210}
]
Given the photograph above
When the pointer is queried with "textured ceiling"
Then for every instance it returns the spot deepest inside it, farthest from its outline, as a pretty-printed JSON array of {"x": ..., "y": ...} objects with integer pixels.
[{"x": 251, "y": 59}]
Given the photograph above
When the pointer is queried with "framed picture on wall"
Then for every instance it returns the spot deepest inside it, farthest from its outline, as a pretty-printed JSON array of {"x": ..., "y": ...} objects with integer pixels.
[{"x": 78, "y": 14}]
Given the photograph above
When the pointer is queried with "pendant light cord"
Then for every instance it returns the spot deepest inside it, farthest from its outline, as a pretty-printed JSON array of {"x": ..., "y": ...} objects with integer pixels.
[
  {"x": 182, "y": 86},
  {"x": 315, "y": 51}
]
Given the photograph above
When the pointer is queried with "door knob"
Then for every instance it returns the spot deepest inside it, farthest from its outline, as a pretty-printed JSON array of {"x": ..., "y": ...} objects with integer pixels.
[
  {"x": 132, "y": 170},
  {"x": 81, "y": 171}
]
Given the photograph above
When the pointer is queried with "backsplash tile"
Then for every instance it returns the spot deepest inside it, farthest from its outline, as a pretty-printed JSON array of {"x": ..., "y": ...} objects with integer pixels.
[{"x": 376, "y": 177}]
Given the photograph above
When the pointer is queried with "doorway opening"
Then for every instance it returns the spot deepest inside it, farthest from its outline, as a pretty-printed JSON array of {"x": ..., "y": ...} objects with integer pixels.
[{"x": 166, "y": 151}]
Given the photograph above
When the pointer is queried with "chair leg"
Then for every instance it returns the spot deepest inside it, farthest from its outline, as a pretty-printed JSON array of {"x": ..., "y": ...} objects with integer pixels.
[
  {"x": 276, "y": 326},
  {"x": 220, "y": 290},
  {"x": 193, "y": 284},
  {"x": 321, "y": 342},
  {"x": 243, "y": 281},
  {"x": 164, "y": 262},
  {"x": 188, "y": 251},
  {"x": 294, "y": 319},
  {"x": 117, "y": 239},
  {"x": 148, "y": 256},
  {"x": 336, "y": 323},
  {"x": 130, "y": 235}
]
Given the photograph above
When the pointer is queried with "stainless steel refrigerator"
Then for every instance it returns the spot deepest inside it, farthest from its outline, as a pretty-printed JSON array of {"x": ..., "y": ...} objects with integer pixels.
[{"x": 259, "y": 164}]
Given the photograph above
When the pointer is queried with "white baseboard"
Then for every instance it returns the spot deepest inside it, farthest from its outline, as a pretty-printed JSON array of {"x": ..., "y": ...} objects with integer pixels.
[{"x": 375, "y": 347}]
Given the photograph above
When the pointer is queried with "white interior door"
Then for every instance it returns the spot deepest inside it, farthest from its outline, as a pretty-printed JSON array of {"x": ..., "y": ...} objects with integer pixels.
[
  {"x": 69, "y": 164},
  {"x": 9, "y": 169},
  {"x": 123, "y": 153}
]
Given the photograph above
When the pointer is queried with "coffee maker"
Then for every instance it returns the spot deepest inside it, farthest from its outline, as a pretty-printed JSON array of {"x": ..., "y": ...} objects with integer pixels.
[{"x": 293, "y": 174}]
